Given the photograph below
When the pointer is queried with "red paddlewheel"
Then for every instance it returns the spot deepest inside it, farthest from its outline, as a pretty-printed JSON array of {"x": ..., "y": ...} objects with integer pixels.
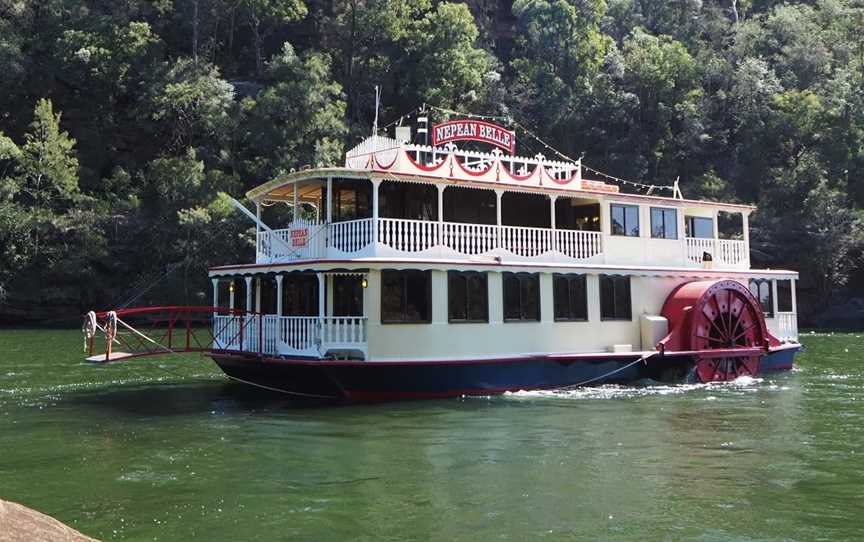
[
  {"x": 725, "y": 369},
  {"x": 716, "y": 315}
]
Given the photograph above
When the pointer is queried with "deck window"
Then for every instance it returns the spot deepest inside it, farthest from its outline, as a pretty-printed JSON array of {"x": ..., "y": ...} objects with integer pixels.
[
  {"x": 571, "y": 302},
  {"x": 761, "y": 289},
  {"x": 784, "y": 296},
  {"x": 467, "y": 297},
  {"x": 300, "y": 295},
  {"x": 521, "y": 297},
  {"x": 664, "y": 223},
  {"x": 699, "y": 227},
  {"x": 347, "y": 295},
  {"x": 406, "y": 297},
  {"x": 351, "y": 199},
  {"x": 615, "y": 298},
  {"x": 625, "y": 220}
]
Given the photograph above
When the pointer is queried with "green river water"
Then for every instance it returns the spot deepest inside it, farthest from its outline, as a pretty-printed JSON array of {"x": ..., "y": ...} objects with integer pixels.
[{"x": 166, "y": 449}]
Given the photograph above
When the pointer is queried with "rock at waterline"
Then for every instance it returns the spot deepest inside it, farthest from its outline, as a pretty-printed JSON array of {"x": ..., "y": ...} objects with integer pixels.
[{"x": 21, "y": 524}]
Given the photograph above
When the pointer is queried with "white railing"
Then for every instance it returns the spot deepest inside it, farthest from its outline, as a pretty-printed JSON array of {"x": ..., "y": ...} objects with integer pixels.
[
  {"x": 696, "y": 247},
  {"x": 527, "y": 242},
  {"x": 351, "y": 235},
  {"x": 579, "y": 244},
  {"x": 732, "y": 252},
  {"x": 289, "y": 335},
  {"x": 408, "y": 235},
  {"x": 236, "y": 332},
  {"x": 787, "y": 326},
  {"x": 469, "y": 239},
  {"x": 282, "y": 244},
  {"x": 722, "y": 251},
  {"x": 343, "y": 332}
]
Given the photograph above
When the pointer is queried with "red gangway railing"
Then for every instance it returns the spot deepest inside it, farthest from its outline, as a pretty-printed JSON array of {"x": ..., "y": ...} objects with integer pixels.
[{"x": 149, "y": 331}]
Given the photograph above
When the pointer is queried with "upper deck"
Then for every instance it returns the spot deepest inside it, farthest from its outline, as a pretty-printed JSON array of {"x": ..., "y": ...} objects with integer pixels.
[{"x": 395, "y": 199}]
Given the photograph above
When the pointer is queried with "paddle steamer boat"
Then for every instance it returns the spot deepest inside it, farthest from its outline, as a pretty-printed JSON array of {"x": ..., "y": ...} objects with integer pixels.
[{"x": 415, "y": 271}]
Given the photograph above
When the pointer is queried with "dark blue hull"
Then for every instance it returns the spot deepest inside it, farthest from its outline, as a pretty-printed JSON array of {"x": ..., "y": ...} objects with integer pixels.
[{"x": 386, "y": 381}]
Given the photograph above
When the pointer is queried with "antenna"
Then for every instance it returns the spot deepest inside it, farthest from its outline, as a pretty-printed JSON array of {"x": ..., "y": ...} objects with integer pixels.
[{"x": 377, "y": 103}]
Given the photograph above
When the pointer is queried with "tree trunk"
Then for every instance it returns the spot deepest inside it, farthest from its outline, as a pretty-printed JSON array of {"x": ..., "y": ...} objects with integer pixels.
[
  {"x": 259, "y": 61},
  {"x": 195, "y": 31}
]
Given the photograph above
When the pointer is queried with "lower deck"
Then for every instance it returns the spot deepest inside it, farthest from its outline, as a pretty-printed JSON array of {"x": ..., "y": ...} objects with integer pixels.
[{"x": 399, "y": 312}]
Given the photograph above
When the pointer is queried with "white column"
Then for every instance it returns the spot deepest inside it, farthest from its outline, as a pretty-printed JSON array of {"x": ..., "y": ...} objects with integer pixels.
[
  {"x": 329, "y": 287},
  {"x": 215, "y": 293},
  {"x": 329, "y": 199},
  {"x": 716, "y": 225},
  {"x": 279, "y": 295},
  {"x": 552, "y": 200},
  {"x": 774, "y": 296},
  {"x": 499, "y": 236},
  {"x": 258, "y": 295},
  {"x": 296, "y": 200},
  {"x": 745, "y": 228},
  {"x": 231, "y": 294},
  {"x": 257, "y": 230},
  {"x": 792, "y": 284},
  {"x": 321, "y": 292},
  {"x": 440, "y": 188},
  {"x": 248, "y": 293},
  {"x": 375, "y": 184}
]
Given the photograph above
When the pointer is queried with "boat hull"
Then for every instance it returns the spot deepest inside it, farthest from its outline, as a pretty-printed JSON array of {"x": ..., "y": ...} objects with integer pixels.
[{"x": 365, "y": 381}]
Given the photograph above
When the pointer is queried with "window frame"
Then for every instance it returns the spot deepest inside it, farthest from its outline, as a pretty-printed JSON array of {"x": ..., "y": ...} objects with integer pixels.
[
  {"x": 404, "y": 273},
  {"x": 769, "y": 312},
  {"x": 616, "y": 318},
  {"x": 520, "y": 276},
  {"x": 781, "y": 293},
  {"x": 624, "y": 207},
  {"x": 466, "y": 275},
  {"x": 663, "y": 212},
  {"x": 690, "y": 224},
  {"x": 569, "y": 279}
]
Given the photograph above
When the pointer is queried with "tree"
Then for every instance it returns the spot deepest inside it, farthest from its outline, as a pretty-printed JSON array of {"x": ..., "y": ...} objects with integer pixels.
[
  {"x": 447, "y": 68},
  {"x": 296, "y": 120},
  {"x": 191, "y": 103},
  {"x": 47, "y": 166},
  {"x": 263, "y": 15}
]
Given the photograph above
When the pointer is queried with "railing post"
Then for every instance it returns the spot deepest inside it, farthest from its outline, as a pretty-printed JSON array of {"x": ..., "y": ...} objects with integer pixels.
[{"x": 745, "y": 225}]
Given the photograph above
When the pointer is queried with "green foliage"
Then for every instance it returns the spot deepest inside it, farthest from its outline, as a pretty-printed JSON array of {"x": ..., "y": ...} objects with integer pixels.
[
  {"x": 47, "y": 168},
  {"x": 191, "y": 103},
  {"x": 296, "y": 120},
  {"x": 169, "y": 106}
]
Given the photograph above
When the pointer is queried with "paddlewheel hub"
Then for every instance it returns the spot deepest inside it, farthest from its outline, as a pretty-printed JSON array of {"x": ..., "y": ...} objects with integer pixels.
[{"x": 720, "y": 324}]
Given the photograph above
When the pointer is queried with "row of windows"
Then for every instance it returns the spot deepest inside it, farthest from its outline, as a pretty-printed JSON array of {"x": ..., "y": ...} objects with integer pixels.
[
  {"x": 664, "y": 223},
  {"x": 406, "y": 297}
]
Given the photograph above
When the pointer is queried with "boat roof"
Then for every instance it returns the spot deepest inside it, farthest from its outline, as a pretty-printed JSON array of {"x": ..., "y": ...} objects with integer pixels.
[{"x": 271, "y": 189}]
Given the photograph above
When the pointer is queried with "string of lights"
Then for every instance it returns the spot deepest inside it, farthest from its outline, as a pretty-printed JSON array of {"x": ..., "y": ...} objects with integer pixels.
[{"x": 516, "y": 125}]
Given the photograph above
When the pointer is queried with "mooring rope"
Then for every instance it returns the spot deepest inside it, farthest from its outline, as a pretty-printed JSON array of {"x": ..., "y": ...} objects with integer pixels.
[{"x": 610, "y": 373}]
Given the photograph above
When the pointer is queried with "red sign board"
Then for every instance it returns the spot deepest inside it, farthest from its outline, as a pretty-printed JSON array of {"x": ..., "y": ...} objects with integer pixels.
[
  {"x": 474, "y": 130},
  {"x": 299, "y": 237}
]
